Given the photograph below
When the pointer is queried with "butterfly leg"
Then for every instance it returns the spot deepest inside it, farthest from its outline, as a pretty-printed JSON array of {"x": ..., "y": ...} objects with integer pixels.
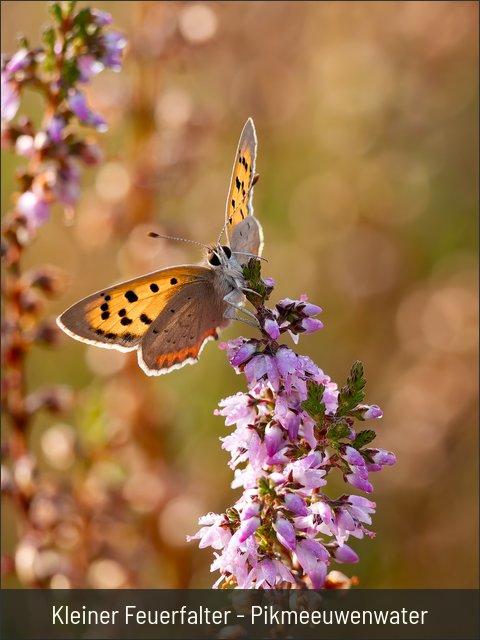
[
  {"x": 252, "y": 291},
  {"x": 231, "y": 299}
]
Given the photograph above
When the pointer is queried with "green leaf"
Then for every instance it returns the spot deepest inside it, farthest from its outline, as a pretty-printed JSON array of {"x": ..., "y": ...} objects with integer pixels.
[
  {"x": 363, "y": 438},
  {"x": 56, "y": 11},
  {"x": 83, "y": 18},
  {"x": 48, "y": 37},
  {"x": 352, "y": 393},
  {"x": 313, "y": 405},
  {"x": 70, "y": 72},
  {"x": 252, "y": 273},
  {"x": 338, "y": 431}
]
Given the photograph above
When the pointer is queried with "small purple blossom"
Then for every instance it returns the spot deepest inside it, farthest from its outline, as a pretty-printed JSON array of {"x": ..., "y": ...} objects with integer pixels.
[
  {"x": 296, "y": 504},
  {"x": 272, "y": 328},
  {"x": 344, "y": 553},
  {"x": 20, "y": 60},
  {"x": 34, "y": 208},
  {"x": 248, "y": 528},
  {"x": 113, "y": 43},
  {"x": 370, "y": 412},
  {"x": 55, "y": 128},
  {"x": 79, "y": 107},
  {"x": 88, "y": 67},
  {"x": 285, "y": 533},
  {"x": 24, "y": 146},
  {"x": 101, "y": 18},
  {"x": 10, "y": 98}
]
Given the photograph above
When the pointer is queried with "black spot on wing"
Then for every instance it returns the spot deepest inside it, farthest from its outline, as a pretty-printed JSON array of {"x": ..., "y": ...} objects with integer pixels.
[
  {"x": 154, "y": 287},
  {"x": 105, "y": 315},
  {"x": 125, "y": 321},
  {"x": 131, "y": 296},
  {"x": 145, "y": 319}
]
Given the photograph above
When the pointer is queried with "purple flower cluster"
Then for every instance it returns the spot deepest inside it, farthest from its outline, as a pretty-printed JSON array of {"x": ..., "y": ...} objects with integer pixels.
[
  {"x": 74, "y": 51},
  {"x": 292, "y": 428}
]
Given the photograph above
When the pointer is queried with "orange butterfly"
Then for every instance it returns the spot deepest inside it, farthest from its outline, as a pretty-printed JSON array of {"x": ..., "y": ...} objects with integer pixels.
[{"x": 169, "y": 315}]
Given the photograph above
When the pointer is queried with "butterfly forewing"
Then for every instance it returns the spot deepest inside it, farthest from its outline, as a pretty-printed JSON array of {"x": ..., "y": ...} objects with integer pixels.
[
  {"x": 239, "y": 202},
  {"x": 121, "y": 315}
]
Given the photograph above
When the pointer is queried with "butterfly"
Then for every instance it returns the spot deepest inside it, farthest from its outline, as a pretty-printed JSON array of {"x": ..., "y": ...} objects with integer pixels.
[{"x": 168, "y": 316}]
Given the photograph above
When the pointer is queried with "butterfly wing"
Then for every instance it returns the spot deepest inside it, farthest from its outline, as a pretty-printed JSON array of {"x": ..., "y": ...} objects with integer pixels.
[
  {"x": 177, "y": 336},
  {"x": 243, "y": 229},
  {"x": 119, "y": 317}
]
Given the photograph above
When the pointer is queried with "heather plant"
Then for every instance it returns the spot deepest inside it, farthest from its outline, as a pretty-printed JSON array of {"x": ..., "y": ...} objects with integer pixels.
[
  {"x": 76, "y": 47},
  {"x": 292, "y": 429}
]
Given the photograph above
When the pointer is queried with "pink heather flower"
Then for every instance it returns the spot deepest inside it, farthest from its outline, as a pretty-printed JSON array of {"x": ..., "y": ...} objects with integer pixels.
[
  {"x": 78, "y": 105},
  {"x": 296, "y": 504},
  {"x": 270, "y": 573},
  {"x": 34, "y": 208},
  {"x": 382, "y": 457},
  {"x": 285, "y": 533},
  {"x": 214, "y": 534},
  {"x": 20, "y": 60},
  {"x": 113, "y": 44},
  {"x": 344, "y": 553},
  {"x": 272, "y": 328},
  {"x": 263, "y": 368},
  {"x": 101, "y": 18},
  {"x": 238, "y": 409},
  {"x": 244, "y": 353},
  {"x": 305, "y": 471},
  {"x": 356, "y": 480},
  {"x": 88, "y": 67},
  {"x": 310, "y": 309},
  {"x": 310, "y": 325},
  {"x": 24, "y": 146},
  {"x": 371, "y": 411},
  {"x": 330, "y": 397},
  {"x": 250, "y": 510},
  {"x": 313, "y": 558},
  {"x": 55, "y": 129},
  {"x": 360, "y": 508},
  {"x": 352, "y": 456},
  {"x": 274, "y": 439},
  {"x": 248, "y": 528},
  {"x": 10, "y": 98}
]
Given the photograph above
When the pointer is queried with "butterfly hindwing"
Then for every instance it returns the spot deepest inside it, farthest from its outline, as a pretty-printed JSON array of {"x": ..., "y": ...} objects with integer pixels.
[
  {"x": 119, "y": 317},
  {"x": 177, "y": 336}
]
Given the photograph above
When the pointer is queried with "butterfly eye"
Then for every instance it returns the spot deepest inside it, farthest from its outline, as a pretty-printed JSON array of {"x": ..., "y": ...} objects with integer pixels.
[
  {"x": 227, "y": 251},
  {"x": 214, "y": 260}
]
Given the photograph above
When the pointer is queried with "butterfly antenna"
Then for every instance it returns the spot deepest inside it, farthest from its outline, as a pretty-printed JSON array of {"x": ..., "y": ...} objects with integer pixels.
[
  {"x": 245, "y": 197},
  {"x": 250, "y": 255},
  {"x": 153, "y": 234}
]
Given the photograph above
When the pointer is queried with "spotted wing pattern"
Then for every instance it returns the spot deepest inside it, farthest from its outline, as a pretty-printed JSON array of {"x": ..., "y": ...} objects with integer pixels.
[
  {"x": 119, "y": 317},
  {"x": 239, "y": 202}
]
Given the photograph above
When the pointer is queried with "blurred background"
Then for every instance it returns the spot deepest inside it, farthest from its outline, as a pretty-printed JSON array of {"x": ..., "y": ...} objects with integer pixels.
[{"x": 366, "y": 115}]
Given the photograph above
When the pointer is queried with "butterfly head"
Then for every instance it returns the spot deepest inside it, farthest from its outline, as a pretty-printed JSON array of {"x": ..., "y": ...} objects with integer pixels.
[{"x": 219, "y": 255}]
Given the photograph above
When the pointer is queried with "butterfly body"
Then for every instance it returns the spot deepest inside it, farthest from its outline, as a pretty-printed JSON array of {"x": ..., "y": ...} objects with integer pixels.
[{"x": 169, "y": 315}]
